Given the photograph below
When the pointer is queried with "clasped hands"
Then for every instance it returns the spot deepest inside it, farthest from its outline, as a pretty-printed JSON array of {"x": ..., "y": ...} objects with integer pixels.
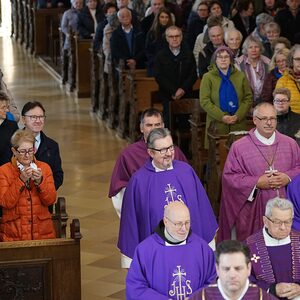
[
  {"x": 229, "y": 119},
  {"x": 31, "y": 173},
  {"x": 272, "y": 180},
  {"x": 287, "y": 290}
]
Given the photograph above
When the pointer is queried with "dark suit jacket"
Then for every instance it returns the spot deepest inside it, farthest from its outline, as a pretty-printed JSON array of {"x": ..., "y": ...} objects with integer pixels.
[
  {"x": 7, "y": 129},
  {"x": 120, "y": 49},
  {"x": 48, "y": 152},
  {"x": 86, "y": 22},
  {"x": 239, "y": 25}
]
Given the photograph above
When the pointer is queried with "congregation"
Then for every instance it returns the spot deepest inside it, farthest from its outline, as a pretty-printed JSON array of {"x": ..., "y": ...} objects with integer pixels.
[{"x": 245, "y": 55}]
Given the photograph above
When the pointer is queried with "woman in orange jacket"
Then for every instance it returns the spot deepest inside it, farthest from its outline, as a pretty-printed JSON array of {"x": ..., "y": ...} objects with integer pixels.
[{"x": 26, "y": 190}]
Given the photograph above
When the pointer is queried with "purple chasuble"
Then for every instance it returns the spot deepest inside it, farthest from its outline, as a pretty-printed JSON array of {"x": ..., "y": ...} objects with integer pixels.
[
  {"x": 268, "y": 265},
  {"x": 212, "y": 293},
  {"x": 160, "y": 272},
  {"x": 245, "y": 163},
  {"x": 129, "y": 161},
  {"x": 293, "y": 194},
  {"x": 148, "y": 192}
]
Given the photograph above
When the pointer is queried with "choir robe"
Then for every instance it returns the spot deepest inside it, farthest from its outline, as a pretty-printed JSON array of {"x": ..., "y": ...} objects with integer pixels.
[
  {"x": 212, "y": 293},
  {"x": 274, "y": 261},
  {"x": 244, "y": 165},
  {"x": 129, "y": 161},
  {"x": 148, "y": 192},
  {"x": 293, "y": 194},
  {"x": 159, "y": 271}
]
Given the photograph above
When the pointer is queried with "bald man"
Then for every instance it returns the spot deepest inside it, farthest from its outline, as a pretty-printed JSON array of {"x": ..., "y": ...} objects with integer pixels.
[{"x": 173, "y": 263}]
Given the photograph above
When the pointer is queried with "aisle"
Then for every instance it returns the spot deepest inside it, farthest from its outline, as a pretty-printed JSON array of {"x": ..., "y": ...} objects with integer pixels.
[{"x": 88, "y": 151}]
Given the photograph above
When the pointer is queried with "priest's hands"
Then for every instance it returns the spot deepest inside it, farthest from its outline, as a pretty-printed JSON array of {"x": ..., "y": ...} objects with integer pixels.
[
  {"x": 229, "y": 119},
  {"x": 287, "y": 290},
  {"x": 273, "y": 180}
]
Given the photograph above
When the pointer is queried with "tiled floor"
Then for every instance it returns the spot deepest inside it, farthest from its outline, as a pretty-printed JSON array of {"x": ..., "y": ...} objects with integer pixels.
[{"x": 88, "y": 151}]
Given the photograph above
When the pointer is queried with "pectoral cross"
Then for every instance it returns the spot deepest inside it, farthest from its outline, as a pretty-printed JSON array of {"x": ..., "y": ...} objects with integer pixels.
[{"x": 170, "y": 191}]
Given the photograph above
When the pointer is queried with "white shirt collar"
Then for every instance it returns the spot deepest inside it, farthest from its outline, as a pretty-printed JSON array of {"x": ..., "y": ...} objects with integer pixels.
[
  {"x": 160, "y": 170},
  {"x": 174, "y": 245},
  {"x": 271, "y": 242},
  {"x": 37, "y": 141},
  {"x": 175, "y": 51},
  {"x": 224, "y": 295},
  {"x": 267, "y": 141},
  {"x": 127, "y": 30}
]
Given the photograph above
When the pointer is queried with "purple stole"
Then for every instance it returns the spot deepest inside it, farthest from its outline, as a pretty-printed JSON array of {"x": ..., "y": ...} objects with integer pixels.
[{"x": 260, "y": 259}]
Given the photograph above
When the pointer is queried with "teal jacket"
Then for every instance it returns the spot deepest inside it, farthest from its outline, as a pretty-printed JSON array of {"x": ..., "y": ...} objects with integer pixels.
[{"x": 210, "y": 102}]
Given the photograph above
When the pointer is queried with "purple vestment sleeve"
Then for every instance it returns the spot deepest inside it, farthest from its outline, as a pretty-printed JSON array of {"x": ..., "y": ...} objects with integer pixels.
[
  {"x": 293, "y": 193},
  {"x": 169, "y": 272},
  {"x": 146, "y": 196},
  {"x": 244, "y": 165},
  {"x": 129, "y": 161}
]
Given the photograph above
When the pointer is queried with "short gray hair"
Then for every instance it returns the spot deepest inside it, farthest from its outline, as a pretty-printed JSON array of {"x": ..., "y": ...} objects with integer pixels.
[
  {"x": 229, "y": 31},
  {"x": 155, "y": 134},
  {"x": 263, "y": 18},
  {"x": 252, "y": 39},
  {"x": 280, "y": 203},
  {"x": 262, "y": 104}
]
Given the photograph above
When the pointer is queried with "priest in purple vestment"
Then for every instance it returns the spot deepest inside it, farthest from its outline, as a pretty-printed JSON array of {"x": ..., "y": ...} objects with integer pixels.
[
  {"x": 134, "y": 157},
  {"x": 275, "y": 251},
  {"x": 259, "y": 166},
  {"x": 233, "y": 269},
  {"x": 173, "y": 263},
  {"x": 160, "y": 181}
]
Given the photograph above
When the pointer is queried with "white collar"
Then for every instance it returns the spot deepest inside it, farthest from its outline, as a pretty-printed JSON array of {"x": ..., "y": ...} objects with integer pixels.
[
  {"x": 127, "y": 30},
  {"x": 225, "y": 296},
  {"x": 174, "y": 245},
  {"x": 271, "y": 242},
  {"x": 161, "y": 170},
  {"x": 267, "y": 141}
]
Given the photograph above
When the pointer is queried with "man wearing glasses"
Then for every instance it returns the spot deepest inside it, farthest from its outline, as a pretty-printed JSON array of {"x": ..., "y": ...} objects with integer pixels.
[
  {"x": 172, "y": 263},
  {"x": 46, "y": 149},
  {"x": 275, "y": 251},
  {"x": 258, "y": 167},
  {"x": 159, "y": 182},
  {"x": 288, "y": 122}
]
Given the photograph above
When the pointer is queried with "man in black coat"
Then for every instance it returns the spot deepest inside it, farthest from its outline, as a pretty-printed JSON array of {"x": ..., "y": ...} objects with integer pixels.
[
  {"x": 127, "y": 42},
  {"x": 47, "y": 150},
  {"x": 174, "y": 70},
  {"x": 7, "y": 129}
]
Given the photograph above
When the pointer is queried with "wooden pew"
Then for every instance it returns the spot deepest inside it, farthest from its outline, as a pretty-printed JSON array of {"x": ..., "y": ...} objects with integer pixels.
[
  {"x": 31, "y": 22},
  {"x": 95, "y": 84},
  {"x": 103, "y": 87},
  {"x": 14, "y": 19},
  {"x": 141, "y": 96},
  {"x": 42, "y": 269},
  {"x": 83, "y": 74}
]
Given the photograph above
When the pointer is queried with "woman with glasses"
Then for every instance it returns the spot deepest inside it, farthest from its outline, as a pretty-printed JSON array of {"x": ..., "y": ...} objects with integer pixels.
[
  {"x": 277, "y": 68},
  {"x": 26, "y": 190},
  {"x": 291, "y": 78},
  {"x": 225, "y": 94}
]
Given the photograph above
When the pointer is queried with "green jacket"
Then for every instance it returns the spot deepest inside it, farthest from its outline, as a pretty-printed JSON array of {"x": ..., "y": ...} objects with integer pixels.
[{"x": 210, "y": 102}]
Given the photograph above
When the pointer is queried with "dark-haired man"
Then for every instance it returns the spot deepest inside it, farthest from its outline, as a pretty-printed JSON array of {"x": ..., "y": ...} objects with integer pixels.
[
  {"x": 47, "y": 150},
  {"x": 233, "y": 269},
  {"x": 134, "y": 157}
]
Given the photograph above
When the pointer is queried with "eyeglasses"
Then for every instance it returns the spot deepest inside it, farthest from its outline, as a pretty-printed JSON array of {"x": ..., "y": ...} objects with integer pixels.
[
  {"x": 35, "y": 118},
  {"x": 24, "y": 151},
  {"x": 279, "y": 223},
  {"x": 281, "y": 100},
  {"x": 266, "y": 119},
  {"x": 174, "y": 36},
  {"x": 297, "y": 59},
  {"x": 163, "y": 151},
  {"x": 4, "y": 107},
  {"x": 223, "y": 57},
  {"x": 179, "y": 225}
]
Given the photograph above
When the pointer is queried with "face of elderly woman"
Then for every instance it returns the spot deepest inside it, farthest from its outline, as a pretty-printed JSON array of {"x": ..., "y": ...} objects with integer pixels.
[
  {"x": 24, "y": 153},
  {"x": 296, "y": 61},
  {"x": 234, "y": 40},
  {"x": 280, "y": 62},
  {"x": 223, "y": 60},
  {"x": 253, "y": 50}
]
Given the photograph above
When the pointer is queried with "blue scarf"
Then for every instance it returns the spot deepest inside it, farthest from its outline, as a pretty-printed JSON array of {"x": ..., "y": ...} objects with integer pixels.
[
  {"x": 277, "y": 73},
  {"x": 229, "y": 101}
]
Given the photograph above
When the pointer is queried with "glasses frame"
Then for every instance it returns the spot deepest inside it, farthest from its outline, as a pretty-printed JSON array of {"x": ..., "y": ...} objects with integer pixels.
[
  {"x": 28, "y": 151},
  {"x": 281, "y": 101},
  {"x": 179, "y": 225},
  {"x": 265, "y": 119},
  {"x": 163, "y": 151},
  {"x": 279, "y": 223},
  {"x": 35, "y": 118}
]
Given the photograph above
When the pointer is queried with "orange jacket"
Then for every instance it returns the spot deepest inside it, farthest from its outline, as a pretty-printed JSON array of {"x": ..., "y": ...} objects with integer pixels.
[{"x": 25, "y": 210}]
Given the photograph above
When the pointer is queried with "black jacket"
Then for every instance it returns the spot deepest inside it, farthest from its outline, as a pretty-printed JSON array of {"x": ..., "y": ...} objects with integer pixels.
[
  {"x": 173, "y": 72},
  {"x": 48, "y": 152},
  {"x": 204, "y": 60},
  {"x": 239, "y": 25},
  {"x": 120, "y": 49}
]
